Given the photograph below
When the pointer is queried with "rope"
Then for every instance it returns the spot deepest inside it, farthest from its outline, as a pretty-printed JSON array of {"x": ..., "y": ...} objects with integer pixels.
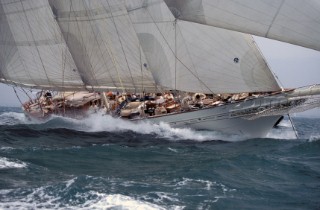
[
  {"x": 294, "y": 129},
  {"x": 174, "y": 53},
  {"x": 115, "y": 26},
  {"x": 26, "y": 94},
  {"x": 17, "y": 96}
]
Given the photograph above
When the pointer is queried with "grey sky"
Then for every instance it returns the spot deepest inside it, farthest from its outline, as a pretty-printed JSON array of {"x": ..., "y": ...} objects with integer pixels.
[{"x": 295, "y": 67}]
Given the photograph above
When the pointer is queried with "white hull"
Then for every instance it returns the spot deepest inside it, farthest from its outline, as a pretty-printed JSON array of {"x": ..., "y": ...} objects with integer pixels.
[
  {"x": 220, "y": 119},
  {"x": 252, "y": 118}
]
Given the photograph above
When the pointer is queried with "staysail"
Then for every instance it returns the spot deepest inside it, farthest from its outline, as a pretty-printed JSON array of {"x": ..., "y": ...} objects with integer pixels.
[
  {"x": 192, "y": 57},
  {"x": 292, "y": 21}
]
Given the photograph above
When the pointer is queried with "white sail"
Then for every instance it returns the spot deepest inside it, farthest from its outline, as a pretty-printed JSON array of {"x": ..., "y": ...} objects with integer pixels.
[
  {"x": 192, "y": 57},
  {"x": 292, "y": 21},
  {"x": 32, "y": 50},
  {"x": 103, "y": 44}
]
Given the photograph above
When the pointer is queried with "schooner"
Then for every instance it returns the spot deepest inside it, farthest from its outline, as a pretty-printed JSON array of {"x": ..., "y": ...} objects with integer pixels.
[{"x": 152, "y": 46}]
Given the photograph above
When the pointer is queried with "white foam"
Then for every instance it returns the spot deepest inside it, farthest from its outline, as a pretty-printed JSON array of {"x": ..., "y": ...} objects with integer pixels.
[
  {"x": 173, "y": 150},
  {"x": 44, "y": 198},
  {"x": 39, "y": 199},
  {"x": 207, "y": 185},
  {"x": 6, "y": 148},
  {"x": 282, "y": 134},
  {"x": 30, "y": 201},
  {"x": 285, "y": 123},
  {"x": 283, "y": 131},
  {"x": 98, "y": 123},
  {"x": 221, "y": 189},
  {"x": 70, "y": 182},
  {"x": 314, "y": 138},
  {"x": 5, "y": 163},
  {"x": 164, "y": 196},
  {"x": 12, "y": 118},
  {"x": 120, "y": 202}
]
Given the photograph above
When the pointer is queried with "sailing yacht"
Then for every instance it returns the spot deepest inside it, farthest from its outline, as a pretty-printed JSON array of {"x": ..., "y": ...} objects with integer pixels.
[{"x": 152, "y": 46}]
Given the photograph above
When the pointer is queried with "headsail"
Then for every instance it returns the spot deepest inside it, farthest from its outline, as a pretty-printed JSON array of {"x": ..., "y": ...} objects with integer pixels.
[
  {"x": 292, "y": 21},
  {"x": 192, "y": 57}
]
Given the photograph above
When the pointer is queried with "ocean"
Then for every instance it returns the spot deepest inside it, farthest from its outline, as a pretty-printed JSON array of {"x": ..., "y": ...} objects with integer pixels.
[{"x": 106, "y": 163}]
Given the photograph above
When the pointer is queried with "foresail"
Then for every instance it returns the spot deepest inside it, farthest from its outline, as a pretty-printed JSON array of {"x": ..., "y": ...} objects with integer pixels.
[
  {"x": 32, "y": 50},
  {"x": 292, "y": 21},
  {"x": 103, "y": 44},
  {"x": 192, "y": 57}
]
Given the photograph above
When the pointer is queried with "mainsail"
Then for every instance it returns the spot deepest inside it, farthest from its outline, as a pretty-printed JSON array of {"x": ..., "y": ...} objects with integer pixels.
[{"x": 292, "y": 21}]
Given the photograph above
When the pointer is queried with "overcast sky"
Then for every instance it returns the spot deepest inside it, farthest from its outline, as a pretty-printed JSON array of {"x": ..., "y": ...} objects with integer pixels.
[{"x": 295, "y": 67}]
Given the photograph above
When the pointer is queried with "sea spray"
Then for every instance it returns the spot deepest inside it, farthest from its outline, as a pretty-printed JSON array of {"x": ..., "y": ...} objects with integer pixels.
[
  {"x": 98, "y": 123},
  {"x": 105, "y": 123}
]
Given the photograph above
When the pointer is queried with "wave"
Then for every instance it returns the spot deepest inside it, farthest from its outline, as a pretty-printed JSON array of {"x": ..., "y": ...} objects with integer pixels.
[
  {"x": 283, "y": 134},
  {"x": 82, "y": 193},
  {"x": 14, "y": 118},
  {"x": 63, "y": 196},
  {"x": 285, "y": 123},
  {"x": 99, "y": 123},
  {"x": 6, "y": 163},
  {"x": 106, "y": 123},
  {"x": 284, "y": 131},
  {"x": 101, "y": 201},
  {"x": 120, "y": 202},
  {"x": 314, "y": 138}
]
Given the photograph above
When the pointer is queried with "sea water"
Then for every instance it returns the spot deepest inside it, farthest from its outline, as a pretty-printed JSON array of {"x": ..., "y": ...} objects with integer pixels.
[{"x": 107, "y": 163}]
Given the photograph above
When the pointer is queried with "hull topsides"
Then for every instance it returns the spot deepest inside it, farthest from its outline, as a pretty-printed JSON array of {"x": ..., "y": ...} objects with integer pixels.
[
  {"x": 251, "y": 117},
  {"x": 220, "y": 119}
]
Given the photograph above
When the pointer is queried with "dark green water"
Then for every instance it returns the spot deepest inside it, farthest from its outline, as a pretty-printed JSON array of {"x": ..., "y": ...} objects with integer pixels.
[{"x": 104, "y": 163}]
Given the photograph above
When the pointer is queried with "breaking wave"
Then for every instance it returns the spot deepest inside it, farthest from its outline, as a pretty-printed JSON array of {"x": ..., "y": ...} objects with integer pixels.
[
  {"x": 99, "y": 123},
  {"x": 14, "y": 118},
  {"x": 314, "y": 138},
  {"x": 97, "y": 201},
  {"x": 284, "y": 131},
  {"x": 63, "y": 196},
  {"x": 6, "y": 163}
]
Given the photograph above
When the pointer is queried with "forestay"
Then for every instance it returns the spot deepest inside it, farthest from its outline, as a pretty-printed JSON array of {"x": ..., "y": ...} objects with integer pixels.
[
  {"x": 192, "y": 57},
  {"x": 292, "y": 21}
]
